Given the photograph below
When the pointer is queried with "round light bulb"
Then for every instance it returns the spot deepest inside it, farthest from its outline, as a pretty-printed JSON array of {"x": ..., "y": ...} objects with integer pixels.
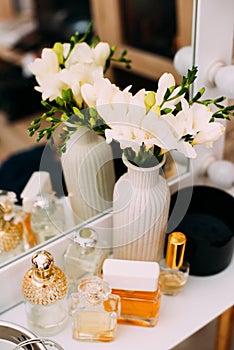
[{"x": 221, "y": 173}]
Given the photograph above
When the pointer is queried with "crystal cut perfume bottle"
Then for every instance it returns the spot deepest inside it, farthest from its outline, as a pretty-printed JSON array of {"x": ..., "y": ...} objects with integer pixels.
[
  {"x": 94, "y": 311},
  {"x": 45, "y": 292},
  {"x": 174, "y": 271},
  {"x": 83, "y": 258},
  {"x": 136, "y": 283},
  {"x": 11, "y": 227}
]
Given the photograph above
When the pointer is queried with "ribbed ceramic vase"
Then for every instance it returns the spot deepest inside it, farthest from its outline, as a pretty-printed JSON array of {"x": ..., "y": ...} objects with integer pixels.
[
  {"x": 140, "y": 213},
  {"x": 89, "y": 174}
]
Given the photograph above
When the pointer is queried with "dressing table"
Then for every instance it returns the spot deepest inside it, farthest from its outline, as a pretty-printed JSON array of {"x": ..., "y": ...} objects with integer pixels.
[{"x": 203, "y": 299}]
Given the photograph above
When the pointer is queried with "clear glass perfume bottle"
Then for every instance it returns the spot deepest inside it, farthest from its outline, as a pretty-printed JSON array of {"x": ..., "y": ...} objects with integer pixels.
[
  {"x": 11, "y": 227},
  {"x": 83, "y": 258},
  {"x": 136, "y": 283},
  {"x": 94, "y": 311},
  {"x": 45, "y": 292},
  {"x": 174, "y": 271},
  {"x": 47, "y": 217}
]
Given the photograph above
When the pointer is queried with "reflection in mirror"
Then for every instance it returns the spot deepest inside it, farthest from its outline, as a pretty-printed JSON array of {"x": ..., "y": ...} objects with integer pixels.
[
  {"x": 144, "y": 25},
  {"x": 45, "y": 217}
]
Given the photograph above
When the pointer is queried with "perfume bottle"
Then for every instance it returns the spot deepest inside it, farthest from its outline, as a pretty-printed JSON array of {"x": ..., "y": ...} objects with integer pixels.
[
  {"x": 94, "y": 310},
  {"x": 174, "y": 271},
  {"x": 11, "y": 227},
  {"x": 47, "y": 217},
  {"x": 45, "y": 293},
  {"x": 83, "y": 258},
  {"x": 136, "y": 283},
  {"x": 38, "y": 183}
]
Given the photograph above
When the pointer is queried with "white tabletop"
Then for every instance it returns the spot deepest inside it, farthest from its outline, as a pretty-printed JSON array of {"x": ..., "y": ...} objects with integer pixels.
[{"x": 202, "y": 300}]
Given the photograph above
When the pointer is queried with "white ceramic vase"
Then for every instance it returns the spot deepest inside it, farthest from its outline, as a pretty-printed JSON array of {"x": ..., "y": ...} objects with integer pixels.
[
  {"x": 140, "y": 213},
  {"x": 89, "y": 175}
]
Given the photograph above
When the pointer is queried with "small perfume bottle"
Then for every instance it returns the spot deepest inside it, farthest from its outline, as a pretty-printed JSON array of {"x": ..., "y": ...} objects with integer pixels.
[
  {"x": 94, "y": 311},
  {"x": 83, "y": 258},
  {"x": 136, "y": 282},
  {"x": 174, "y": 271},
  {"x": 11, "y": 227},
  {"x": 45, "y": 292},
  {"x": 38, "y": 183},
  {"x": 47, "y": 217}
]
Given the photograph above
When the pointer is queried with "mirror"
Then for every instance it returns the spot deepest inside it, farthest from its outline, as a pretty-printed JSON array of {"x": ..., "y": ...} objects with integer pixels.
[{"x": 145, "y": 61}]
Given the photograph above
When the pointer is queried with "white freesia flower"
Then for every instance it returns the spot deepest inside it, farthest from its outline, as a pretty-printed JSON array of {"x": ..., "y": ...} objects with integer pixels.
[
  {"x": 47, "y": 64},
  {"x": 127, "y": 116},
  {"x": 83, "y": 53},
  {"x": 101, "y": 53},
  {"x": 165, "y": 82},
  {"x": 194, "y": 121},
  {"x": 51, "y": 86},
  {"x": 77, "y": 75},
  {"x": 46, "y": 70},
  {"x": 84, "y": 65}
]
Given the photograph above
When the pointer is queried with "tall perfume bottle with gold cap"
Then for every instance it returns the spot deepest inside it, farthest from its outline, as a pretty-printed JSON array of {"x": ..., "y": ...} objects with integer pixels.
[
  {"x": 174, "y": 271},
  {"x": 11, "y": 227},
  {"x": 45, "y": 293}
]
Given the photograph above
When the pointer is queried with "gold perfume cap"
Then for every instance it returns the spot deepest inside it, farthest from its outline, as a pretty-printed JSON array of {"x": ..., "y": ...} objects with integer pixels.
[
  {"x": 43, "y": 262},
  {"x": 175, "y": 250},
  {"x": 44, "y": 283}
]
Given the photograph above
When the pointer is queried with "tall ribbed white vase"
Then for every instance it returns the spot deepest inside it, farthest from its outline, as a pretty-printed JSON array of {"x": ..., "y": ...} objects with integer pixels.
[
  {"x": 140, "y": 213},
  {"x": 89, "y": 174}
]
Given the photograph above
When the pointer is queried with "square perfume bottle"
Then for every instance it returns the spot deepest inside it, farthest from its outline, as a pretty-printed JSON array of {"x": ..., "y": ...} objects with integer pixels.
[
  {"x": 94, "y": 310},
  {"x": 136, "y": 283}
]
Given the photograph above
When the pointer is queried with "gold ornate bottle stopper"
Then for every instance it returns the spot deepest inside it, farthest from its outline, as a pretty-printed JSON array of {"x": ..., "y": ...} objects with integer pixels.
[
  {"x": 44, "y": 283},
  {"x": 11, "y": 231}
]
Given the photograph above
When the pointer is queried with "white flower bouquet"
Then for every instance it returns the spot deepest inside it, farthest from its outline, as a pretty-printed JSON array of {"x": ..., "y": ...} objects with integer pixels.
[
  {"x": 60, "y": 72},
  {"x": 149, "y": 124},
  {"x": 75, "y": 92}
]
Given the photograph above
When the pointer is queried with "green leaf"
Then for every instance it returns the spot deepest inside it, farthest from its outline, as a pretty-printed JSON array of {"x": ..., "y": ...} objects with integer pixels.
[
  {"x": 166, "y": 110},
  {"x": 198, "y": 95},
  {"x": 93, "y": 112}
]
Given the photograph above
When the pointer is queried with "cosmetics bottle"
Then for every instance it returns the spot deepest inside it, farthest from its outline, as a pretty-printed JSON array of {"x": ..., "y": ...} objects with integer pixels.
[
  {"x": 94, "y": 310},
  {"x": 82, "y": 257},
  {"x": 47, "y": 217},
  {"x": 11, "y": 227},
  {"x": 38, "y": 183},
  {"x": 136, "y": 283},
  {"x": 174, "y": 271},
  {"x": 45, "y": 294}
]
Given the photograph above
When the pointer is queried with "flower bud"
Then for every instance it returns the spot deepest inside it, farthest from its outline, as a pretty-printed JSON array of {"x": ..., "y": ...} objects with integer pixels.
[
  {"x": 58, "y": 49},
  {"x": 150, "y": 100}
]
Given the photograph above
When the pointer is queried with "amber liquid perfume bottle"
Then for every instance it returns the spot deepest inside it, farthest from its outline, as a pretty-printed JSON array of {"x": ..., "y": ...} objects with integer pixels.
[
  {"x": 136, "y": 283},
  {"x": 94, "y": 311},
  {"x": 45, "y": 292},
  {"x": 83, "y": 258},
  {"x": 174, "y": 271}
]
